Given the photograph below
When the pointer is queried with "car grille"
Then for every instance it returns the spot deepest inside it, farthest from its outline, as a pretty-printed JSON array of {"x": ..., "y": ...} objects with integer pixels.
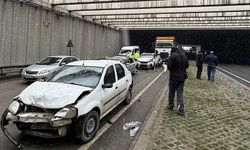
[
  {"x": 31, "y": 72},
  {"x": 164, "y": 55},
  {"x": 37, "y": 109}
]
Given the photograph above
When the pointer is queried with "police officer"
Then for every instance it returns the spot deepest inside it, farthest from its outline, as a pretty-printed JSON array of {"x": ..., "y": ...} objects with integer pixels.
[{"x": 137, "y": 55}]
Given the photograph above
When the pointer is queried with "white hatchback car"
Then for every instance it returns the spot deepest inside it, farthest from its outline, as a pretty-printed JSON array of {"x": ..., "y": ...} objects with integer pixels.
[{"x": 74, "y": 99}]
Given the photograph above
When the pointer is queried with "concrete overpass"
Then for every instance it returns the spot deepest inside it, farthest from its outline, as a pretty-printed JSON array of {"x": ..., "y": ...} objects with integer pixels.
[{"x": 33, "y": 29}]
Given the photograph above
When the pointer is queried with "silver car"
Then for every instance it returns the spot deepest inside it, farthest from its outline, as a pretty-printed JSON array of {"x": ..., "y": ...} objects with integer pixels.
[
  {"x": 130, "y": 63},
  {"x": 46, "y": 67}
]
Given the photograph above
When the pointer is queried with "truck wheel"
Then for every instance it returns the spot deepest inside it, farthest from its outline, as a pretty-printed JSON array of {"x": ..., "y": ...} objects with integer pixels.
[
  {"x": 128, "y": 97},
  {"x": 90, "y": 124}
]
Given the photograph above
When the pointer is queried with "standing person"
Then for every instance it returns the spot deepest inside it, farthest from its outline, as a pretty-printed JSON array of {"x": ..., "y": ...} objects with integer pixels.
[
  {"x": 212, "y": 61},
  {"x": 137, "y": 55},
  {"x": 129, "y": 54},
  {"x": 199, "y": 64},
  {"x": 177, "y": 65}
]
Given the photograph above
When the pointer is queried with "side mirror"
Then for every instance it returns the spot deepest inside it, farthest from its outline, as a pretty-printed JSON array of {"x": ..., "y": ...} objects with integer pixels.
[
  {"x": 107, "y": 85},
  {"x": 62, "y": 64}
]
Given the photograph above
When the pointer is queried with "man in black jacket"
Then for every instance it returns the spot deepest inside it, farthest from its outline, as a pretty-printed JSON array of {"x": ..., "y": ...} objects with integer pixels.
[
  {"x": 177, "y": 65},
  {"x": 212, "y": 61},
  {"x": 199, "y": 63}
]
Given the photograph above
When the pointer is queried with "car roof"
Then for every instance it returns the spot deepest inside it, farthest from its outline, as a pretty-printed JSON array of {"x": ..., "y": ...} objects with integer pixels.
[
  {"x": 94, "y": 63},
  {"x": 61, "y": 56},
  {"x": 130, "y": 47}
]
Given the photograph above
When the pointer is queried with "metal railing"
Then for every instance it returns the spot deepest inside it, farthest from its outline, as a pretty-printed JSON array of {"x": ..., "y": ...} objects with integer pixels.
[{"x": 4, "y": 68}]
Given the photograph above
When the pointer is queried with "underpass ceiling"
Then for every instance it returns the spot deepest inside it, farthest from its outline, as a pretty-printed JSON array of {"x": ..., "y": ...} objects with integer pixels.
[{"x": 141, "y": 14}]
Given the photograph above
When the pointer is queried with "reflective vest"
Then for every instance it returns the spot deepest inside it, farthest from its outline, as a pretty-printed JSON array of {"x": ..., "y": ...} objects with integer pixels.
[
  {"x": 136, "y": 55},
  {"x": 129, "y": 54}
]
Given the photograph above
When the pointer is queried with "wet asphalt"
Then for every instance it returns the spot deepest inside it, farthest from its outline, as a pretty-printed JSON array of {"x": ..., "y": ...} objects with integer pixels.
[{"x": 114, "y": 138}]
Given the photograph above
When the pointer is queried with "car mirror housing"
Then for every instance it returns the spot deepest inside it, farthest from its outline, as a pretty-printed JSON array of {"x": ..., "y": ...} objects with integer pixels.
[{"x": 107, "y": 85}]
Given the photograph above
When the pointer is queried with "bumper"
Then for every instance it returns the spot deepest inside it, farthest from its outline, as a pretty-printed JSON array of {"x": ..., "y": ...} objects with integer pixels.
[
  {"x": 33, "y": 77},
  {"x": 145, "y": 65},
  {"x": 40, "y": 124}
]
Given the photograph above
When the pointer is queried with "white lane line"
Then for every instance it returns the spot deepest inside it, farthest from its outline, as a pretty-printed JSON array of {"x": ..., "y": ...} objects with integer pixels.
[
  {"x": 116, "y": 117},
  {"x": 235, "y": 75}
]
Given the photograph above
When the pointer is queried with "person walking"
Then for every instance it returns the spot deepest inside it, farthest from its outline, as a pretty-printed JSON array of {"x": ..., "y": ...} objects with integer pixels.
[
  {"x": 212, "y": 61},
  {"x": 199, "y": 64},
  {"x": 177, "y": 65}
]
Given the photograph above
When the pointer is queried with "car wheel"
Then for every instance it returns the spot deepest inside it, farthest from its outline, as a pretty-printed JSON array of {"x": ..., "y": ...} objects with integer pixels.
[
  {"x": 128, "y": 97},
  {"x": 90, "y": 124}
]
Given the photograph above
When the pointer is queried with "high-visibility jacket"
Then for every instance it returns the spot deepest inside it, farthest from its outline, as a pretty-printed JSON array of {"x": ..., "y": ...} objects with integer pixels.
[
  {"x": 129, "y": 54},
  {"x": 137, "y": 55}
]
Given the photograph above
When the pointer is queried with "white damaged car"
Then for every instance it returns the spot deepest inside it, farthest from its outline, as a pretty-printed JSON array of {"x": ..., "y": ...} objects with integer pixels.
[{"x": 73, "y": 100}]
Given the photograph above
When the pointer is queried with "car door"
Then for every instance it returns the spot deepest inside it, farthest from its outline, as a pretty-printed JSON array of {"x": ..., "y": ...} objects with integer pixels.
[
  {"x": 121, "y": 82},
  {"x": 109, "y": 95},
  {"x": 132, "y": 64}
]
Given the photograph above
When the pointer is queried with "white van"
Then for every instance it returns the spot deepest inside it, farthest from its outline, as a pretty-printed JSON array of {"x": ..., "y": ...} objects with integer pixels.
[{"x": 125, "y": 49}]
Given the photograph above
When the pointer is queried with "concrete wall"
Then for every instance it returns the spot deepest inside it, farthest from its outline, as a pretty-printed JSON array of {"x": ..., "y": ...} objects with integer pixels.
[{"x": 28, "y": 34}]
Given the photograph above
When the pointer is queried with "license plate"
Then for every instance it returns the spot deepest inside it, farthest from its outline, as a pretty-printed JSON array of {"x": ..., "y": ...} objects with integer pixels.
[{"x": 30, "y": 77}]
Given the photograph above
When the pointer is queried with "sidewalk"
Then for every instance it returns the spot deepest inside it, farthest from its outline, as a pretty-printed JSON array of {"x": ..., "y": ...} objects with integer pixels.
[{"x": 218, "y": 117}]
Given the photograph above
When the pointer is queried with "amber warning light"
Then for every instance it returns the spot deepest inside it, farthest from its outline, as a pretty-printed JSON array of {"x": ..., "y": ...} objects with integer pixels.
[{"x": 165, "y": 38}]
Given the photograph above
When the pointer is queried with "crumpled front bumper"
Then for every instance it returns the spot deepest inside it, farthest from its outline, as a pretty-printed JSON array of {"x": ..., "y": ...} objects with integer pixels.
[{"x": 40, "y": 124}]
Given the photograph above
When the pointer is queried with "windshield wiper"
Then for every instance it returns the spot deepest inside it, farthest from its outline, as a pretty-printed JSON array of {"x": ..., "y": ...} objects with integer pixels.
[{"x": 75, "y": 83}]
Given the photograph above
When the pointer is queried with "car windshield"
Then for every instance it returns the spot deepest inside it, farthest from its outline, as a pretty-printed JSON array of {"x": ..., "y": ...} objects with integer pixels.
[
  {"x": 125, "y": 51},
  {"x": 163, "y": 45},
  {"x": 50, "y": 61},
  {"x": 78, "y": 75}
]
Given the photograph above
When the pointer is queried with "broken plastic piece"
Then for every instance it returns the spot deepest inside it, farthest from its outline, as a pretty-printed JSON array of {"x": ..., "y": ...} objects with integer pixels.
[
  {"x": 132, "y": 126},
  {"x": 133, "y": 131}
]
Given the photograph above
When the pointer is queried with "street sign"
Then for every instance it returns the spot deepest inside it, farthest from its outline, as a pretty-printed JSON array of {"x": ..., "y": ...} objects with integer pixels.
[{"x": 69, "y": 45}]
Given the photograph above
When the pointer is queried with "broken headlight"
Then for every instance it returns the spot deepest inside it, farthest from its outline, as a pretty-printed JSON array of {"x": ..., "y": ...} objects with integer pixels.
[
  {"x": 15, "y": 107},
  {"x": 68, "y": 112}
]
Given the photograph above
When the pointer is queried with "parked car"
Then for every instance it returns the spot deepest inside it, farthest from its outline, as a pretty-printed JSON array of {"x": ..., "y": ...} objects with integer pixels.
[
  {"x": 149, "y": 60},
  {"x": 73, "y": 99},
  {"x": 130, "y": 63},
  {"x": 46, "y": 67}
]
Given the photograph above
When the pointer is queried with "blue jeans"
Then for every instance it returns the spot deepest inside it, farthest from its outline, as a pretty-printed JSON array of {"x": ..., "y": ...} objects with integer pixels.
[
  {"x": 176, "y": 86},
  {"x": 211, "y": 69}
]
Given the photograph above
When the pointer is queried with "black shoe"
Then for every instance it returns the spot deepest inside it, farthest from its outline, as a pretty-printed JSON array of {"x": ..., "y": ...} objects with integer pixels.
[
  {"x": 170, "y": 108},
  {"x": 181, "y": 113}
]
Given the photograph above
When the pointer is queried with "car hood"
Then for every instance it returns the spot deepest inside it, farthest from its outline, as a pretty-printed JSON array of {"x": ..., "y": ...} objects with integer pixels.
[
  {"x": 51, "y": 95},
  {"x": 36, "y": 67},
  {"x": 144, "y": 59}
]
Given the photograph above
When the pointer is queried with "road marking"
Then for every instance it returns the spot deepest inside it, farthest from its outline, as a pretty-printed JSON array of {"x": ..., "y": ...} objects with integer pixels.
[
  {"x": 117, "y": 116},
  {"x": 235, "y": 75}
]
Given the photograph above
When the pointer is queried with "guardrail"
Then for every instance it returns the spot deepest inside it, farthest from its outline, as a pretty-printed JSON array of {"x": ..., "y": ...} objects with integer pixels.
[{"x": 2, "y": 68}]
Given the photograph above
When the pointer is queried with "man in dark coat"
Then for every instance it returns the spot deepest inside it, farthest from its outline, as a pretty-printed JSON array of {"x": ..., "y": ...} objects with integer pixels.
[
  {"x": 212, "y": 61},
  {"x": 199, "y": 63},
  {"x": 177, "y": 65}
]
